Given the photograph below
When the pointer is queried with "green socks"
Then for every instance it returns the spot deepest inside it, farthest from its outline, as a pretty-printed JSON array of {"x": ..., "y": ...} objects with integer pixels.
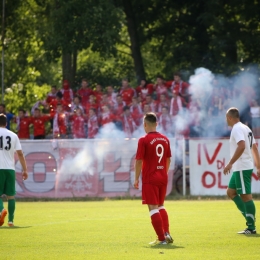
[
  {"x": 250, "y": 214},
  {"x": 11, "y": 209},
  {"x": 1, "y": 205},
  {"x": 240, "y": 205}
]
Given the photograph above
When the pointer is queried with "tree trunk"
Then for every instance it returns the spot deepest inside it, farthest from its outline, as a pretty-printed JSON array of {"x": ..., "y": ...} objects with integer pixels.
[
  {"x": 67, "y": 67},
  {"x": 74, "y": 68},
  {"x": 134, "y": 39}
]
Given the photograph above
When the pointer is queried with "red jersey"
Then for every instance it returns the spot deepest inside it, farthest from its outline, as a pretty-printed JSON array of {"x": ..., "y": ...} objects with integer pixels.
[
  {"x": 78, "y": 126},
  {"x": 129, "y": 125},
  {"x": 144, "y": 91},
  {"x": 92, "y": 126},
  {"x": 106, "y": 118},
  {"x": 53, "y": 106},
  {"x": 153, "y": 106},
  {"x": 137, "y": 114},
  {"x": 67, "y": 98},
  {"x": 154, "y": 149},
  {"x": 159, "y": 90},
  {"x": 60, "y": 123},
  {"x": 165, "y": 121},
  {"x": 180, "y": 87},
  {"x": 39, "y": 124},
  {"x": 23, "y": 125},
  {"x": 161, "y": 105},
  {"x": 127, "y": 95},
  {"x": 176, "y": 106},
  {"x": 98, "y": 95},
  {"x": 84, "y": 93},
  {"x": 50, "y": 97},
  {"x": 91, "y": 105}
]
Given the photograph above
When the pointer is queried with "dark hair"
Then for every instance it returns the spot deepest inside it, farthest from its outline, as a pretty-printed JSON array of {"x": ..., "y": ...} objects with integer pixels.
[
  {"x": 22, "y": 110},
  {"x": 59, "y": 94},
  {"x": 2, "y": 105},
  {"x": 126, "y": 108},
  {"x": 77, "y": 96},
  {"x": 233, "y": 112},
  {"x": 160, "y": 76},
  {"x": 3, "y": 120},
  {"x": 54, "y": 86},
  {"x": 36, "y": 109},
  {"x": 150, "y": 118},
  {"x": 177, "y": 73}
]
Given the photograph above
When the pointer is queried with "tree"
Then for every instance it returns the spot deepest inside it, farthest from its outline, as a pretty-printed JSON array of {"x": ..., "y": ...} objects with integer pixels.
[{"x": 77, "y": 25}]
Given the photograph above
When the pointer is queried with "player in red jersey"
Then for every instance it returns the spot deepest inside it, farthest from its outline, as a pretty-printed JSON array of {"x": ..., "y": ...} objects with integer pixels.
[
  {"x": 92, "y": 124},
  {"x": 153, "y": 158},
  {"x": 23, "y": 125},
  {"x": 38, "y": 122}
]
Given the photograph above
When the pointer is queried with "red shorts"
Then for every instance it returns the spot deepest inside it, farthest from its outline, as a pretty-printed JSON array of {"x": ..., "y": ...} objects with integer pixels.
[{"x": 153, "y": 194}]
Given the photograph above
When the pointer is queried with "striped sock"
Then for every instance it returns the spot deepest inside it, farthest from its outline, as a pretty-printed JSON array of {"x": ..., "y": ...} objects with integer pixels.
[
  {"x": 250, "y": 214},
  {"x": 157, "y": 224}
]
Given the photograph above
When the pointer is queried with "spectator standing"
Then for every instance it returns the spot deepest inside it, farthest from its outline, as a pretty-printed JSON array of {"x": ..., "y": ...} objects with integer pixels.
[
  {"x": 51, "y": 95},
  {"x": 255, "y": 114},
  {"x": 92, "y": 124},
  {"x": 160, "y": 87},
  {"x": 144, "y": 89},
  {"x": 38, "y": 122},
  {"x": 9, "y": 116},
  {"x": 129, "y": 125},
  {"x": 23, "y": 125},
  {"x": 60, "y": 123},
  {"x": 84, "y": 92},
  {"x": 67, "y": 94},
  {"x": 78, "y": 124},
  {"x": 165, "y": 122},
  {"x": 127, "y": 92},
  {"x": 176, "y": 104}
]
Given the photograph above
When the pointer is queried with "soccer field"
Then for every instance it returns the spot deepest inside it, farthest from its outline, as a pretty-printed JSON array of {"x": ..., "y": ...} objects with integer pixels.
[{"x": 122, "y": 230}]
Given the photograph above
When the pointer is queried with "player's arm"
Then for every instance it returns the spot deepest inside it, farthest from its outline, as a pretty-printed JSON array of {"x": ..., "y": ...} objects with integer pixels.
[
  {"x": 23, "y": 163},
  {"x": 239, "y": 151},
  {"x": 256, "y": 159},
  {"x": 168, "y": 162},
  {"x": 138, "y": 168}
]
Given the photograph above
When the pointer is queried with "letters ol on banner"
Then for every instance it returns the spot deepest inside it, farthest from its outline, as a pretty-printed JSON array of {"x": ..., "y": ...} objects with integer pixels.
[
  {"x": 207, "y": 161},
  {"x": 80, "y": 168}
]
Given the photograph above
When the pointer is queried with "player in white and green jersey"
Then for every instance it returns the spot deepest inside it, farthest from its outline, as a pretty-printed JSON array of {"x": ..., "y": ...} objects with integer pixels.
[
  {"x": 243, "y": 153},
  {"x": 9, "y": 144}
]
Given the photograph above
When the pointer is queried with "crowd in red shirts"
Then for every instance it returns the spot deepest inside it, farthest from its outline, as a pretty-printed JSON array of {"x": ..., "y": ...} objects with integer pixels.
[{"x": 81, "y": 113}]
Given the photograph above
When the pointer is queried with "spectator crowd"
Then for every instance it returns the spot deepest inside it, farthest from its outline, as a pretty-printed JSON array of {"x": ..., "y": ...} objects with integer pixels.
[{"x": 82, "y": 113}]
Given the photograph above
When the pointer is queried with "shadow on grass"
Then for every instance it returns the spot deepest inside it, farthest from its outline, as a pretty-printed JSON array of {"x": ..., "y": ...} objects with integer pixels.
[
  {"x": 253, "y": 235},
  {"x": 164, "y": 247},
  {"x": 15, "y": 227}
]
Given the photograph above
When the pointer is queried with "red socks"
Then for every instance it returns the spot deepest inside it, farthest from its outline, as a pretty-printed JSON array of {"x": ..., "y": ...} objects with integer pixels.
[
  {"x": 157, "y": 223},
  {"x": 165, "y": 219}
]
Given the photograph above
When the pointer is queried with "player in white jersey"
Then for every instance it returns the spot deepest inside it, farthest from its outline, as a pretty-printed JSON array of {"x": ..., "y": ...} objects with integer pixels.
[
  {"x": 9, "y": 144},
  {"x": 243, "y": 153}
]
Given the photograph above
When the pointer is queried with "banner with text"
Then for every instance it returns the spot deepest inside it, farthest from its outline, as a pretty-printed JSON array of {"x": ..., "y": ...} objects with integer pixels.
[
  {"x": 80, "y": 168},
  {"x": 207, "y": 161}
]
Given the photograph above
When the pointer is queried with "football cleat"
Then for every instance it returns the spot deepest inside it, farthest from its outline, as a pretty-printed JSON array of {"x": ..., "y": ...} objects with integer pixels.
[
  {"x": 247, "y": 232},
  {"x": 158, "y": 242},
  {"x": 10, "y": 224},
  {"x": 168, "y": 238},
  {"x": 2, "y": 217}
]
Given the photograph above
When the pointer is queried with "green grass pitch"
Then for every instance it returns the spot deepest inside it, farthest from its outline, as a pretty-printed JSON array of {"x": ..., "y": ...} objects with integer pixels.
[{"x": 122, "y": 230}]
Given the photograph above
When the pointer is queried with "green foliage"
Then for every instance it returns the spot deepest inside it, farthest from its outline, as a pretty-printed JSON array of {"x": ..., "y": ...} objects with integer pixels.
[{"x": 24, "y": 96}]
